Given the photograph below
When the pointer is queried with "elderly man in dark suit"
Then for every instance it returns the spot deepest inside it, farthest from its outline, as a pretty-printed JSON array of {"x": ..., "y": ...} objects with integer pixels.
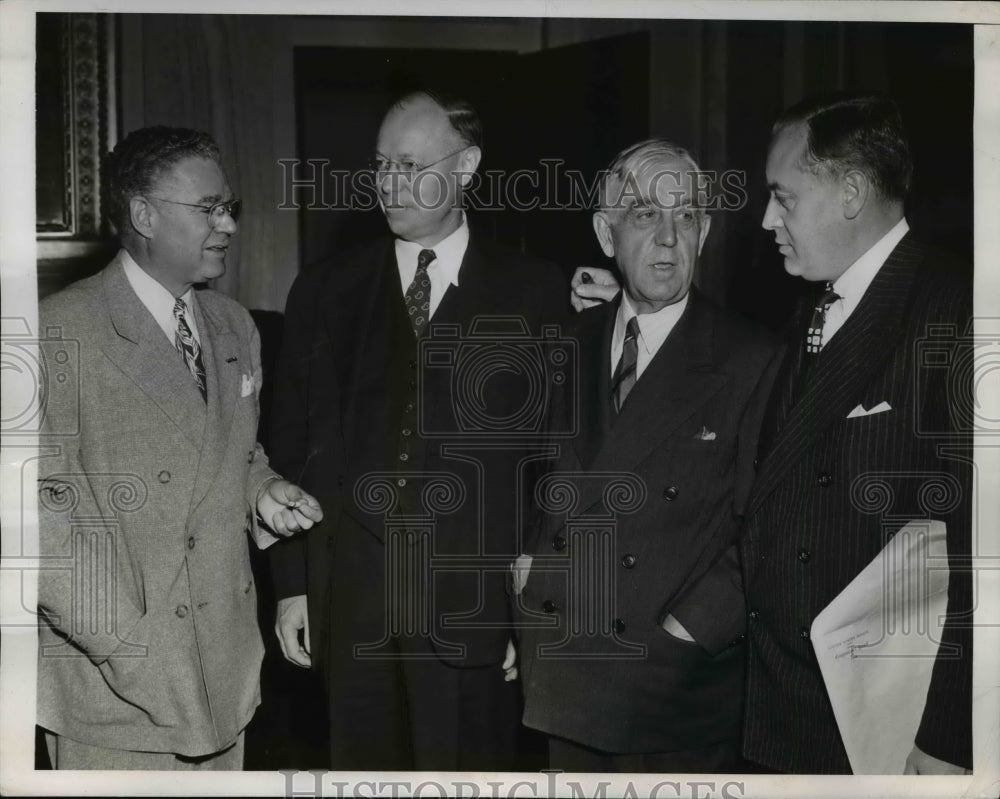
[
  {"x": 403, "y": 401},
  {"x": 149, "y": 477},
  {"x": 632, "y": 611},
  {"x": 852, "y": 402}
]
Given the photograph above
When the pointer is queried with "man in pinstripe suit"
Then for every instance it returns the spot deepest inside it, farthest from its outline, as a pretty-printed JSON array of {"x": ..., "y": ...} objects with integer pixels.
[{"x": 851, "y": 403}]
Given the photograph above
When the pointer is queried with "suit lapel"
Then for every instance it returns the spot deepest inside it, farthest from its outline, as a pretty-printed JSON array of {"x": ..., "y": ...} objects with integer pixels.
[
  {"x": 594, "y": 342},
  {"x": 136, "y": 344},
  {"x": 846, "y": 365},
  {"x": 220, "y": 353}
]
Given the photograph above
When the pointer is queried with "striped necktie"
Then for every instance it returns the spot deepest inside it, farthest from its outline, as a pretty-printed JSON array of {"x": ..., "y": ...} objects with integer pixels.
[
  {"x": 188, "y": 346},
  {"x": 418, "y": 295},
  {"x": 624, "y": 377}
]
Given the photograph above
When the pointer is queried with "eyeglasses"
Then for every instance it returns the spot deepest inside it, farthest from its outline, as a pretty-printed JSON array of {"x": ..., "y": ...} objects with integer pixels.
[
  {"x": 406, "y": 167},
  {"x": 215, "y": 212}
]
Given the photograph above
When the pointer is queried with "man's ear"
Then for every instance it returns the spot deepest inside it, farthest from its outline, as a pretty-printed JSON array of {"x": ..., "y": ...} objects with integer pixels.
[
  {"x": 602, "y": 227},
  {"x": 706, "y": 224},
  {"x": 856, "y": 188},
  {"x": 468, "y": 164},
  {"x": 140, "y": 214}
]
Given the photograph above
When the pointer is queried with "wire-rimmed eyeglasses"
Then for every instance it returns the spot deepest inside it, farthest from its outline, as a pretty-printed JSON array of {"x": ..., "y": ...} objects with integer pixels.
[
  {"x": 406, "y": 167},
  {"x": 215, "y": 212}
]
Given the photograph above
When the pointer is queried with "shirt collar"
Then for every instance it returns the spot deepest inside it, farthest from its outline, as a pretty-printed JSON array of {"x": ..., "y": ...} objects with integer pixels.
[
  {"x": 852, "y": 285},
  {"x": 448, "y": 252},
  {"x": 653, "y": 327},
  {"x": 155, "y": 297}
]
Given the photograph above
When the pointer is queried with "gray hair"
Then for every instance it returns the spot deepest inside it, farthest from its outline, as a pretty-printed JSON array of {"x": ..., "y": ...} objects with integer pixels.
[{"x": 632, "y": 160}]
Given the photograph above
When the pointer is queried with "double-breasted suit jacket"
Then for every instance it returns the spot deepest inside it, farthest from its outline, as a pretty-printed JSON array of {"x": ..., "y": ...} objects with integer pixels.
[
  {"x": 363, "y": 415},
  {"x": 832, "y": 488},
  {"x": 148, "y": 629},
  {"x": 638, "y": 519}
]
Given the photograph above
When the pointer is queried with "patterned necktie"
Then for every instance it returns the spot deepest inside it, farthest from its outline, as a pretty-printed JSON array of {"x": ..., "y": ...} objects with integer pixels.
[
  {"x": 814, "y": 337},
  {"x": 624, "y": 377},
  {"x": 418, "y": 295},
  {"x": 188, "y": 346}
]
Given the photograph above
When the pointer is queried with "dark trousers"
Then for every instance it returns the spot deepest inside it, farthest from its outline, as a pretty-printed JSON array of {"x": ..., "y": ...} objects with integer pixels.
[
  {"x": 393, "y": 704},
  {"x": 718, "y": 758}
]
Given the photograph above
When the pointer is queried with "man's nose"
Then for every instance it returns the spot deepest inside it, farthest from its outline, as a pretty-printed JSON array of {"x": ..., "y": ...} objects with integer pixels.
[
  {"x": 772, "y": 218},
  {"x": 666, "y": 231},
  {"x": 226, "y": 224}
]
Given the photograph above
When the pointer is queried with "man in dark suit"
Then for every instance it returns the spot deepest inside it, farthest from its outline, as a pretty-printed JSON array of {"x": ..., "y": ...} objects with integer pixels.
[
  {"x": 404, "y": 402},
  {"x": 150, "y": 476},
  {"x": 632, "y": 609},
  {"x": 853, "y": 403}
]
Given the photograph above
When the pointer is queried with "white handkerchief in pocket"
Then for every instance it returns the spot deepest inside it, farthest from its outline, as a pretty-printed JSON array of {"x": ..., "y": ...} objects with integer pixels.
[
  {"x": 882, "y": 407},
  {"x": 246, "y": 389}
]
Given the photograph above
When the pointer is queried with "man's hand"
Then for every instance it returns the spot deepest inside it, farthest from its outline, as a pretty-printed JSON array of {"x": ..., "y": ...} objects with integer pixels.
[
  {"x": 919, "y": 762},
  {"x": 286, "y": 508},
  {"x": 510, "y": 662},
  {"x": 586, "y": 293},
  {"x": 293, "y": 615}
]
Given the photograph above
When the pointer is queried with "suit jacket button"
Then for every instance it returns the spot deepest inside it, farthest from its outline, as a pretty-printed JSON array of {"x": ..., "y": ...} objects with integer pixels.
[
  {"x": 549, "y": 606},
  {"x": 670, "y": 493},
  {"x": 804, "y": 555},
  {"x": 181, "y": 611},
  {"x": 164, "y": 476},
  {"x": 406, "y": 431},
  {"x": 559, "y": 543},
  {"x": 754, "y": 615},
  {"x": 804, "y": 634},
  {"x": 401, "y": 482},
  {"x": 739, "y": 639},
  {"x": 619, "y": 626},
  {"x": 404, "y": 457},
  {"x": 190, "y": 542},
  {"x": 824, "y": 479},
  {"x": 756, "y": 464},
  {"x": 628, "y": 560}
]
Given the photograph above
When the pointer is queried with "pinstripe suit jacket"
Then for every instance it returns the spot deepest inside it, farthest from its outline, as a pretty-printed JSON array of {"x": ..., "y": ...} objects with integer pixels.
[
  {"x": 830, "y": 491},
  {"x": 148, "y": 628}
]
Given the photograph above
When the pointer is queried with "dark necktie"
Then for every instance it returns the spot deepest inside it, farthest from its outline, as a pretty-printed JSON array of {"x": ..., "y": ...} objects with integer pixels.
[
  {"x": 814, "y": 336},
  {"x": 188, "y": 346},
  {"x": 624, "y": 377},
  {"x": 418, "y": 295}
]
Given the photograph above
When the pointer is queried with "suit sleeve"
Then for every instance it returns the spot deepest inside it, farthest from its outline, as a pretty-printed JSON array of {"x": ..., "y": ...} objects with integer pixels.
[
  {"x": 79, "y": 570},
  {"x": 289, "y": 427},
  {"x": 946, "y": 726},
  {"x": 260, "y": 471},
  {"x": 713, "y": 610}
]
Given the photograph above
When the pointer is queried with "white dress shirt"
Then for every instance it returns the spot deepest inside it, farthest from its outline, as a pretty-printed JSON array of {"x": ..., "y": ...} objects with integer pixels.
[
  {"x": 158, "y": 301},
  {"x": 653, "y": 331},
  {"x": 443, "y": 270},
  {"x": 852, "y": 285}
]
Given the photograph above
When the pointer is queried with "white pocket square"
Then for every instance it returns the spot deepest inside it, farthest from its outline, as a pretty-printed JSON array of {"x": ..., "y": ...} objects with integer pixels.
[
  {"x": 704, "y": 434},
  {"x": 246, "y": 389},
  {"x": 882, "y": 407}
]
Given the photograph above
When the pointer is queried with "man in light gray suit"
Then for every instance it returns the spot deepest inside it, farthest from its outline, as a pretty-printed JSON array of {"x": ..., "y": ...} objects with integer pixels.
[{"x": 150, "y": 475}]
